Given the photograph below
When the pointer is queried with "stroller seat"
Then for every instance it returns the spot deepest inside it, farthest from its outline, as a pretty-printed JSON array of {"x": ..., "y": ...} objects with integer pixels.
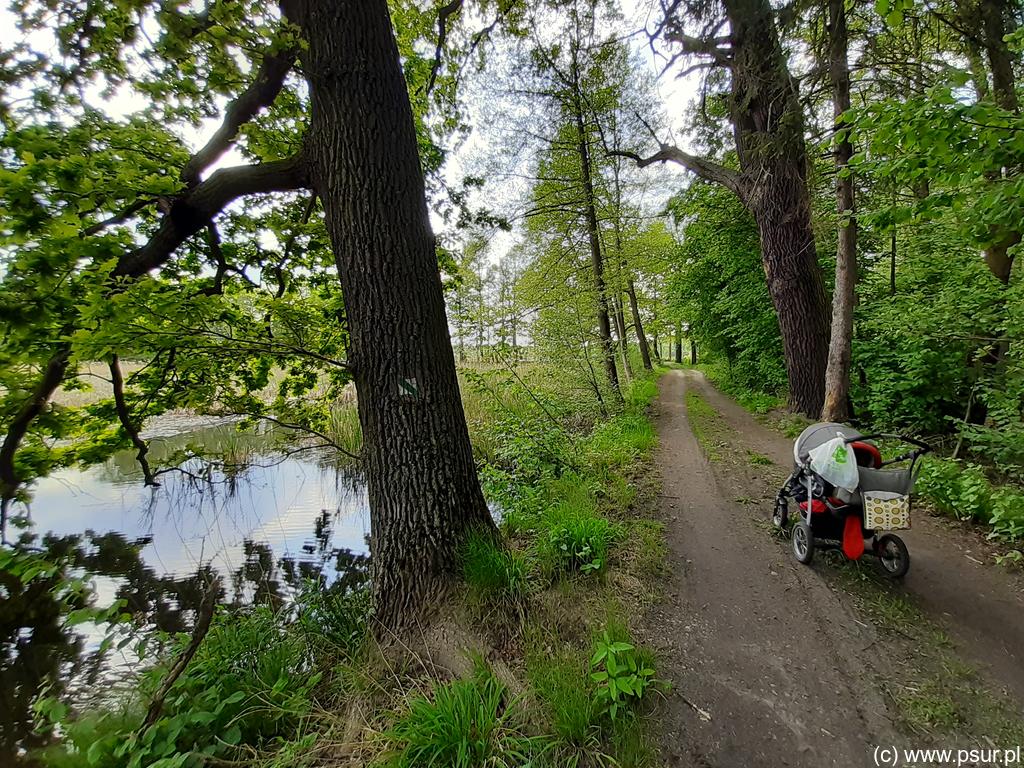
[{"x": 867, "y": 454}]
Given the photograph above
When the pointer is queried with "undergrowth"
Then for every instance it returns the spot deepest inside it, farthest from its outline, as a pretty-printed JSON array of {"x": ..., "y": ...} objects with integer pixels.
[{"x": 554, "y": 595}]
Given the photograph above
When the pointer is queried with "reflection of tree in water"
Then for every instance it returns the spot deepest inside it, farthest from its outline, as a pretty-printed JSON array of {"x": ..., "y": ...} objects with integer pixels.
[
  {"x": 263, "y": 580},
  {"x": 37, "y": 650}
]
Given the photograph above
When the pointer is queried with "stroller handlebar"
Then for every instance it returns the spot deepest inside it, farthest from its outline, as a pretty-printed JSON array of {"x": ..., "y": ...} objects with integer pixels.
[{"x": 922, "y": 446}]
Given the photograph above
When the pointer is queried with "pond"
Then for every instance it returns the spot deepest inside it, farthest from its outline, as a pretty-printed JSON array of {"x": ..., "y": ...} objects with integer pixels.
[{"x": 262, "y": 517}]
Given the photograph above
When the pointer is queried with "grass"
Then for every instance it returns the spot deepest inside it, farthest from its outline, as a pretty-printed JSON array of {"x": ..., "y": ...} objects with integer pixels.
[
  {"x": 705, "y": 423},
  {"x": 469, "y": 723},
  {"x": 498, "y": 577},
  {"x": 758, "y": 459},
  {"x": 932, "y": 690},
  {"x": 573, "y": 541},
  {"x": 344, "y": 429}
]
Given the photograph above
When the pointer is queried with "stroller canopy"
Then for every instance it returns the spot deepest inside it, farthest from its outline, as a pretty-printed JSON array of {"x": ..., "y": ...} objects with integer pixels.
[{"x": 819, "y": 434}]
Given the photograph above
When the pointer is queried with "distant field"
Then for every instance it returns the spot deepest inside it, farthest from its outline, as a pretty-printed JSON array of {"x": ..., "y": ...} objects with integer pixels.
[{"x": 97, "y": 376}]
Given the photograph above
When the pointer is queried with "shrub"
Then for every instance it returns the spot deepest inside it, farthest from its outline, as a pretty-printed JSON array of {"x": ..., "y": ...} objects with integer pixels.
[
  {"x": 963, "y": 491},
  {"x": 468, "y": 724},
  {"x": 249, "y": 683}
]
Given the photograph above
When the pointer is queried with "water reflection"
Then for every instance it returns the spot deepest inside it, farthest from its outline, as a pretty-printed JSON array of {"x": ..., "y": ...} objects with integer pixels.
[{"x": 258, "y": 521}]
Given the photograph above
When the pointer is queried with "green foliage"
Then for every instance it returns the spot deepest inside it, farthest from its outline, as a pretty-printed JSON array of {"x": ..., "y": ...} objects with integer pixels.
[
  {"x": 617, "y": 444},
  {"x": 465, "y": 724},
  {"x": 718, "y": 286},
  {"x": 755, "y": 400},
  {"x": 333, "y": 620},
  {"x": 574, "y": 540},
  {"x": 963, "y": 491},
  {"x": 253, "y": 684},
  {"x": 560, "y": 679},
  {"x": 622, "y": 675},
  {"x": 496, "y": 575}
]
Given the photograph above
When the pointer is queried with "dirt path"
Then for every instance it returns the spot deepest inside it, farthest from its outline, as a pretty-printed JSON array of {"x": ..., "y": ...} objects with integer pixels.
[
  {"x": 767, "y": 661},
  {"x": 951, "y": 575}
]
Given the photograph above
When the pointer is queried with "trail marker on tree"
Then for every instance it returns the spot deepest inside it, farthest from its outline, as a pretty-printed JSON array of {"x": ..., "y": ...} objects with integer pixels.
[{"x": 408, "y": 388}]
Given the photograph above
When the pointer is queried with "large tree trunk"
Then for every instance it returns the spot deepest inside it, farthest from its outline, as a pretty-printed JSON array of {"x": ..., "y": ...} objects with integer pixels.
[
  {"x": 995, "y": 23},
  {"x": 679, "y": 342},
  {"x": 634, "y": 306},
  {"x": 768, "y": 126},
  {"x": 837, "y": 374},
  {"x": 423, "y": 488},
  {"x": 994, "y": 18},
  {"x": 693, "y": 351}
]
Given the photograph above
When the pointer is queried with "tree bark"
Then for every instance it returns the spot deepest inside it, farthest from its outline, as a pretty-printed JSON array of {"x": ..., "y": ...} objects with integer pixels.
[
  {"x": 768, "y": 127},
  {"x": 620, "y": 323},
  {"x": 596, "y": 258},
  {"x": 837, "y": 374},
  {"x": 423, "y": 488},
  {"x": 994, "y": 16},
  {"x": 693, "y": 351},
  {"x": 634, "y": 305},
  {"x": 679, "y": 342}
]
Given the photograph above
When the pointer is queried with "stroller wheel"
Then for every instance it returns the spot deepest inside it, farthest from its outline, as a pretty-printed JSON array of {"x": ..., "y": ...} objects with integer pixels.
[
  {"x": 893, "y": 555},
  {"x": 803, "y": 542},
  {"x": 780, "y": 514}
]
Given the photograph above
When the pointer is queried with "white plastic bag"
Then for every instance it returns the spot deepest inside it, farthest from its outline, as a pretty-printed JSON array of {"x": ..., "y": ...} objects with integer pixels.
[{"x": 835, "y": 462}]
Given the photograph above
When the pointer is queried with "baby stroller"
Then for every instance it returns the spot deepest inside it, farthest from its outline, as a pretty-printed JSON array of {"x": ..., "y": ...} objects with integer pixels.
[{"x": 830, "y": 458}]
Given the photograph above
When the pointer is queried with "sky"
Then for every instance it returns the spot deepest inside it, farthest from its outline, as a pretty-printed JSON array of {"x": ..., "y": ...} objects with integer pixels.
[{"x": 509, "y": 185}]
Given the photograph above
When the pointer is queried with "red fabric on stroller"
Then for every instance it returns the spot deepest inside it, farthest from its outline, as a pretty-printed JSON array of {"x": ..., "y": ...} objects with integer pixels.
[{"x": 853, "y": 538}]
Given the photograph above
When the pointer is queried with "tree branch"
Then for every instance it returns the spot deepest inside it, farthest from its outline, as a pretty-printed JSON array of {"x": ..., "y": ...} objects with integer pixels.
[
  {"x": 204, "y": 618},
  {"x": 706, "y": 169},
  {"x": 123, "y": 415},
  {"x": 187, "y": 215},
  {"x": 718, "y": 48},
  {"x": 195, "y": 210},
  {"x": 262, "y": 92},
  {"x": 119, "y": 218},
  {"x": 52, "y": 377},
  {"x": 443, "y": 13}
]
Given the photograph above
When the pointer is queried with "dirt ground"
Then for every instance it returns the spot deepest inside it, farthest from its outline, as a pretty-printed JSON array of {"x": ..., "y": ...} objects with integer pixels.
[{"x": 775, "y": 664}]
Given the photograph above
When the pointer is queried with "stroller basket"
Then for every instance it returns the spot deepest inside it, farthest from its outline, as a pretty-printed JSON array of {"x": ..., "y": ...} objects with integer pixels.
[
  {"x": 886, "y": 494},
  {"x": 899, "y": 481}
]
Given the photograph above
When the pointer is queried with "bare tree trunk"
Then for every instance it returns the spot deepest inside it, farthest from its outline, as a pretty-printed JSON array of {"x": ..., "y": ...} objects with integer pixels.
[
  {"x": 693, "y": 352},
  {"x": 995, "y": 20},
  {"x": 892, "y": 261},
  {"x": 837, "y": 374},
  {"x": 361, "y": 144},
  {"x": 679, "y": 342},
  {"x": 994, "y": 17},
  {"x": 638, "y": 323},
  {"x": 620, "y": 323},
  {"x": 596, "y": 257}
]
